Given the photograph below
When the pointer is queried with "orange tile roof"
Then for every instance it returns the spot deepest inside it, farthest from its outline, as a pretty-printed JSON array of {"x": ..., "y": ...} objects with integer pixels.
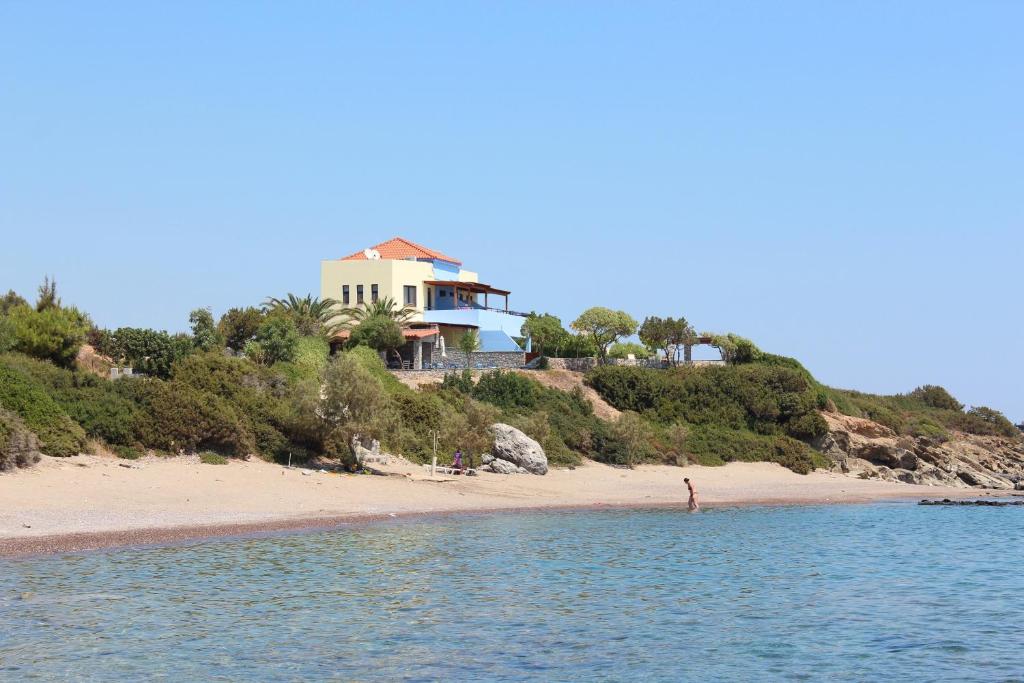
[{"x": 398, "y": 248}]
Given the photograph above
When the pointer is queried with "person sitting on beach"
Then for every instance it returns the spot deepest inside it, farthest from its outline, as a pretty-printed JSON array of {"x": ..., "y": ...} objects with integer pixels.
[
  {"x": 694, "y": 505},
  {"x": 457, "y": 460}
]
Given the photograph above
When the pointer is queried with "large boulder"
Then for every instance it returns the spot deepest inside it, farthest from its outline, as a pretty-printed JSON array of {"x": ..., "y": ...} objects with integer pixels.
[
  {"x": 511, "y": 445},
  {"x": 503, "y": 467}
]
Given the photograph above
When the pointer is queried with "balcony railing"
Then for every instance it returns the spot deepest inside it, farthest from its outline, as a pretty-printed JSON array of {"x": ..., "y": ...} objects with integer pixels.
[{"x": 478, "y": 308}]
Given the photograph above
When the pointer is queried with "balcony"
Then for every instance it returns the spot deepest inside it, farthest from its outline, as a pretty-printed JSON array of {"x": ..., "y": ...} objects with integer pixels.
[{"x": 480, "y": 318}]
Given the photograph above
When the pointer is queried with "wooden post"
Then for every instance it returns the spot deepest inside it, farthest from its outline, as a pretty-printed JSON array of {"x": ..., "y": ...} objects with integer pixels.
[{"x": 433, "y": 463}]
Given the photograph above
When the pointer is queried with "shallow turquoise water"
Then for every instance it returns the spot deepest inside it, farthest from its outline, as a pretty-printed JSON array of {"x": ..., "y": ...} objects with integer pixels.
[{"x": 881, "y": 592}]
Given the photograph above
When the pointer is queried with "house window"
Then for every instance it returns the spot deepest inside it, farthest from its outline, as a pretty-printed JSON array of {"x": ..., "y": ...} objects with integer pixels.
[
  {"x": 410, "y": 295},
  {"x": 359, "y": 294},
  {"x": 344, "y": 294},
  {"x": 373, "y": 293}
]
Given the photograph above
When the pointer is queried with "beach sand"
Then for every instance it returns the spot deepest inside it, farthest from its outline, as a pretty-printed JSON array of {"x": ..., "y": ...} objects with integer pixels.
[{"x": 90, "y": 501}]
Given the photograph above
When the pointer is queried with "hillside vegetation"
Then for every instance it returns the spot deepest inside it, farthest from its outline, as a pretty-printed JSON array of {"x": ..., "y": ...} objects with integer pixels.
[{"x": 260, "y": 381}]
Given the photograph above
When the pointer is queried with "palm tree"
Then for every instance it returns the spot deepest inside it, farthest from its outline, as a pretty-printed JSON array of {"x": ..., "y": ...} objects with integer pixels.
[
  {"x": 311, "y": 314},
  {"x": 384, "y": 308}
]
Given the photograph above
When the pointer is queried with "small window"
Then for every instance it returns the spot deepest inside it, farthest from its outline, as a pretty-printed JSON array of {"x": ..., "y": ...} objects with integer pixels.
[
  {"x": 359, "y": 294},
  {"x": 410, "y": 295},
  {"x": 373, "y": 293},
  {"x": 344, "y": 294}
]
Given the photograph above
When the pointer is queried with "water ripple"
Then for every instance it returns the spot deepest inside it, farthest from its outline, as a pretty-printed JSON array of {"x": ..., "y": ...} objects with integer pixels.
[{"x": 884, "y": 592}]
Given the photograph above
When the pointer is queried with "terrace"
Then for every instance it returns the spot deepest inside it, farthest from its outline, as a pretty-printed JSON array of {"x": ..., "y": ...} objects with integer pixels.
[{"x": 450, "y": 302}]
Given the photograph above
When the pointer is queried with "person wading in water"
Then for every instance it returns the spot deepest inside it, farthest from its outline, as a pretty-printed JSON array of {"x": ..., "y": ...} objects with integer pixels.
[{"x": 694, "y": 505}]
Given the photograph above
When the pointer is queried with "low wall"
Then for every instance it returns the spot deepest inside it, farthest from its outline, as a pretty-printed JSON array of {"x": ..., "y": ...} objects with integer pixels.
[
  {"x": 486, "y": 359},
  {"x": 574, "y": 364}
]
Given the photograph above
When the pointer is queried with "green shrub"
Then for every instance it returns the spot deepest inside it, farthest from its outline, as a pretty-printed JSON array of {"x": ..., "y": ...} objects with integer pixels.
[
  {"x": 623, "y": 349},
  {"x": 211, "y": 458},
  {"x": 628, "y": 441},
  {"x": 277, "y": 339},
  {"x": 985, "y": 421},
  {"x": 370, "y": 361},
  {"x": 807, "y": 427},
  {"x": 461, "y": 382},
  {"x": 7, "y": 332},
  {"x": 259, "y": 395},
  {"x": 176, "y": 416},
  {"x": 58, "y": 434},
  {"x": 767, "y": 399},
  {"x": 936, "y": 397},
  {"x": 19, "y": 447},
  {"x": 238, "y": 326},
  {"x": 311, "y": 356},
  {"x": 711, "y": 445},
  {"x": 205, "y": 335},
  {"x": 537, "y": 426},
  {"x": 927, "y": 411},
  {"x": 126, "y": 452},
  {"x": 919, "y": 425},
  {"x": 91, "y": 401},
  {"x": 150, "y": 352},
  {"x": 506, "y": 389},
  {"x": 55, "y": 334}
]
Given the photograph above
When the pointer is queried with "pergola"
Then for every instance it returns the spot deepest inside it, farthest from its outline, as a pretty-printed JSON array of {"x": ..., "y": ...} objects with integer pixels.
[{"x": 474, "y": 287}]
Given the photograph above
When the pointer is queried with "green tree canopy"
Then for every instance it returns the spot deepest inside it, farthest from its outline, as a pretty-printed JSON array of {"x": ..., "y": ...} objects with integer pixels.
[
  {"x": 623, "y": 349},
  {"x": 54, "y": 334},
  {"x": 10, "y": 300},
  {"x": 735, "y": 349},
  {"x": 604, "y": 326},
  {"x": 469, "y": 343},
  {"x": 47, "y": 295},
  {"x": 545, "y": 331},
  {"x": 936, "y": 397},
  {"x": 151, "y": 352},
  {"x": 379, "y": 332},
  {"x": 204, "y": 332},
  {"x": 664, "y": 333},
  {"x": 238, "y": 326},
  {"x": 276, "y": 340}
]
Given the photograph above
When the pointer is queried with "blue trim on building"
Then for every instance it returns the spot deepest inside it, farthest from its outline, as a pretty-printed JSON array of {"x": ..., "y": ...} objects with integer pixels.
[
  {"x": 482, "y": 319},
  {"x": 497, "y": 340},
  {"x": 445, "y": 271}
]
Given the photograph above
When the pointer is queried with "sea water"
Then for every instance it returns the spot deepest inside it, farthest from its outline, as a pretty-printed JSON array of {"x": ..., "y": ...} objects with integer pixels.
[{"x": 856, "y": 592}]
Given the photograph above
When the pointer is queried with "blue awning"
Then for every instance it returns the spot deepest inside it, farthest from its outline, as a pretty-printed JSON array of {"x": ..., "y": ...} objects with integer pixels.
[{"x": 497, "y": 340}]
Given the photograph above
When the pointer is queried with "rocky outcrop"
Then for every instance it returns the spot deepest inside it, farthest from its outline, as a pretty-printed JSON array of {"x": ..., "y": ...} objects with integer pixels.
[
  {"x": 368, "y": 450},
  {"x": 19, "y": 447},
  {"x": 870, "y": 450},
  {"x": 513, "y": 447}
]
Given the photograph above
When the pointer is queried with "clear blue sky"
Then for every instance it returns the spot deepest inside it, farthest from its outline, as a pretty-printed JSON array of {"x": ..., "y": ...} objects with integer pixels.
[{"x": 841, "y": 182}]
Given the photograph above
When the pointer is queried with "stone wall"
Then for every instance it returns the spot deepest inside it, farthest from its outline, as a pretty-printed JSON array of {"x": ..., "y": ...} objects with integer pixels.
[
  {"x": 574, "y": 364},
  {"x": 487, "y": 359}
]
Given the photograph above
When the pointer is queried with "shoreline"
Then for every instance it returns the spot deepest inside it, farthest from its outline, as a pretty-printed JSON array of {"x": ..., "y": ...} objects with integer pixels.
[
  {"x": 85, "y": 541},
  {"x": 87, "y": 503}
]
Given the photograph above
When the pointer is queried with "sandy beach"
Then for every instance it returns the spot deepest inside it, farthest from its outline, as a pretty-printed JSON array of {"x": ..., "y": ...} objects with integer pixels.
[{"x": 92, "y": 501}]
